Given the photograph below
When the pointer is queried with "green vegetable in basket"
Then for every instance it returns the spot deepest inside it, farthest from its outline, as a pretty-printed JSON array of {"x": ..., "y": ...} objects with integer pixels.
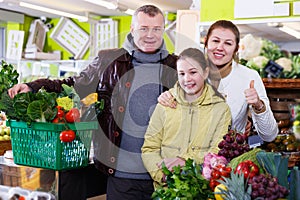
[
  {"x": 70, "y": 92},
  {"x": 6, "y": 105},
  {"x": 30, "y": 107},
  {"x": 65, "y": 102}
]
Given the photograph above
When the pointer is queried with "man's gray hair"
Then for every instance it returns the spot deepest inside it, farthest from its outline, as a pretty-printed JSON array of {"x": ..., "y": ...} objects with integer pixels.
[{"x": 150, "y": 10}]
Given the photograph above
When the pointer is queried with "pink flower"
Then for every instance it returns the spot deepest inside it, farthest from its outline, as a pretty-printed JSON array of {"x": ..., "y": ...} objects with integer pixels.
[{"x": 211, "y": 160}]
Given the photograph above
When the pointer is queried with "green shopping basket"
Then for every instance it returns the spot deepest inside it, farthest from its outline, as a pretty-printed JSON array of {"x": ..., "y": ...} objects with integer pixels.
[{"x": 38, "y": 144}]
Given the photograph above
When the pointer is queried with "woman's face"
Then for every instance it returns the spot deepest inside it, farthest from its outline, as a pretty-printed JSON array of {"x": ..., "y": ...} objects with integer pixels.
[
  {"x": 221, "y": 46},
  {"x": 148, "y": 32},
  {"x": 191, "y": 77}
]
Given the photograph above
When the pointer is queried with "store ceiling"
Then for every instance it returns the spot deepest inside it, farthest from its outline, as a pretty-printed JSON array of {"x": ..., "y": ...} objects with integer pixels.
[
  {"x": 260, "y": 28},
  {"x": 81, "y": 7}
]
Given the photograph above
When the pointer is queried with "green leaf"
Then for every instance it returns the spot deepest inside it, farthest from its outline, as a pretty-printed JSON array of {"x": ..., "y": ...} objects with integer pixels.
[
  {"x": 294, "y": 184},
  {"x": 9, "y": 76},
  {"x": 184, "y": 182}
]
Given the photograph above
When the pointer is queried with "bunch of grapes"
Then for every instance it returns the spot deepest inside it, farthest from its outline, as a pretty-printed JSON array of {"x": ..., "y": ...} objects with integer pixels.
[
  {"x": 265, "y": 186},
  {"x": 233, "y": 144}
]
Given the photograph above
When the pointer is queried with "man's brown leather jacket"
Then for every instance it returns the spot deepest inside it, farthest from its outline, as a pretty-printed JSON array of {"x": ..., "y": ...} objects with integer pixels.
[{"x": 108, "y": 75}]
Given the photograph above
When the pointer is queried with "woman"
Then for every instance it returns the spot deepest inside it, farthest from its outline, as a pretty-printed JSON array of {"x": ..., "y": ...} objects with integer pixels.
[
  {"x": 197, "y": 124},
  {"x": 242, "y": 87}
]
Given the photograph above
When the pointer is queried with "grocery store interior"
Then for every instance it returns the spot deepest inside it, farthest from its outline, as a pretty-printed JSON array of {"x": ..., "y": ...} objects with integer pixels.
[{"x": 58, "y": 38}]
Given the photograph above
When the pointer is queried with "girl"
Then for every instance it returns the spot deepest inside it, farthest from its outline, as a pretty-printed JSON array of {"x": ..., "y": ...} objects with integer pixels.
[{"x": 194, "y": 127}]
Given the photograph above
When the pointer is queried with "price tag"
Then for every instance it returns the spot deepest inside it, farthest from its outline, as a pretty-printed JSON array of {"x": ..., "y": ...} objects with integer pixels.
[{"x": 254, "y": 141}]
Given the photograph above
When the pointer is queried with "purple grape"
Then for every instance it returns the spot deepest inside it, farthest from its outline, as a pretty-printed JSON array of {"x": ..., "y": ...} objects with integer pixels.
[
  {"x": 236, "y": 153},
  {"x": 229, "y": 139},
  {"x": 221, "y": 144},
  {"x": 234, "y": 145},
  {"x": 271, "y": 184},
  {"x": 227, "y": 146},
  {"x": 268, "y": 193},
  {"x": 254, "y": 194},
  {"x": 255, "y": 186},
  {"x": 261, "y": 192},
  {"x": 239, "y": 139}
]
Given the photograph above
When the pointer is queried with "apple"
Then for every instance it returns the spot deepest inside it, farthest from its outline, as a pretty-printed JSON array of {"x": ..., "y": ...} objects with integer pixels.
[
  {"x": 1, "y": 131},
  {"x": 6, "y": 137},
  {"x": 7, "y": 130}
]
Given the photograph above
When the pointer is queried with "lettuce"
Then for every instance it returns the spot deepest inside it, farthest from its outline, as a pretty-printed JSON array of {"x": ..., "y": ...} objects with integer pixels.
[{"x": 30, "y": 107}]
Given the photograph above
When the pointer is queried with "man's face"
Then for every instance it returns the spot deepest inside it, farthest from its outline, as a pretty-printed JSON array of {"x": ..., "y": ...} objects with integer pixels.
[{"x": 148, "y": 32}]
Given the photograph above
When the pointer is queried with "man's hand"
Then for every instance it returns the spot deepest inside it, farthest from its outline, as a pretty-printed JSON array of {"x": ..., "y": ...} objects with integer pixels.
[
  {"x": 18, "y": 88},
  {"x": 166, "y": 99}
]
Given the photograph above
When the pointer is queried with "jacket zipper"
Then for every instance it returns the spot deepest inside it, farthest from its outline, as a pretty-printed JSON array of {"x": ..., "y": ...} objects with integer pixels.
[{"x": 191, "y": 113}]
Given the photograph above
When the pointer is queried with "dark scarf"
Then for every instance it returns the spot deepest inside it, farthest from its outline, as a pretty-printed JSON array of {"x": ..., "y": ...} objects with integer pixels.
[{"x": 216, "y": 74}]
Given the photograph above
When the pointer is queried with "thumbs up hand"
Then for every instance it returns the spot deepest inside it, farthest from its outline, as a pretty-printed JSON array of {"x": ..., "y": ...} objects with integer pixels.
[
  {"x": 252, "y": 97},
  {"x": 252, "y": 84}
]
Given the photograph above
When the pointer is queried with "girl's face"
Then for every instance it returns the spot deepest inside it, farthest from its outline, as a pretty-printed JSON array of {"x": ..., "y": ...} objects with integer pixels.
[
  {"x": 221, "y": 46},
  {"x": 191, "y": 77}
]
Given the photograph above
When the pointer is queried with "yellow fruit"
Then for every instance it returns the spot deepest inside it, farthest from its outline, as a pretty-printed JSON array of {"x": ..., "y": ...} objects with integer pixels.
[
  {"x": 296, "y": 123},
  {"x": 90, "y": 99},
  {"x": 218, "y": 190}
]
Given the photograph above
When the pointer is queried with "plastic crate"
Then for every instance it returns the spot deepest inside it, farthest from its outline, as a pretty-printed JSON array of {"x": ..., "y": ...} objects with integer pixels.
[{"x": 38, "y": 144}]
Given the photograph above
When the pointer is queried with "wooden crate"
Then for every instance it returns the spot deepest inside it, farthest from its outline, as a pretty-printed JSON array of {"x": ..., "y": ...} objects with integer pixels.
[
  {"x": 4, "y": 146},
  {"x": 282, "y": 93},
  {"x": 28, "y": 177}
]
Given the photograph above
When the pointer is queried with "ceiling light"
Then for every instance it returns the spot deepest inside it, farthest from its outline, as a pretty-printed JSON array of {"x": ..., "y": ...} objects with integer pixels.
[
  {"x": 290, "y": 31},
  {"x": 106, "y": 4},
  {"x": 56, "y": 12}
]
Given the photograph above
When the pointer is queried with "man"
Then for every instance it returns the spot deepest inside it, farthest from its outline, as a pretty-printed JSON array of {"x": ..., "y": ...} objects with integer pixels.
[{"x": 129, "y": 80}]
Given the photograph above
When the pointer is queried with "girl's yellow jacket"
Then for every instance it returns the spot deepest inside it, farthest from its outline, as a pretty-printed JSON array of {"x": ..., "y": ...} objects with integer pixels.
[{"x": 189, "y": 131}]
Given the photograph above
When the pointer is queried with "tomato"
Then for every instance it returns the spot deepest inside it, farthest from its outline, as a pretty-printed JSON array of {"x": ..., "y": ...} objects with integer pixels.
[
  {"x": 67, "y": 136},
  {"x": 215, "y": 174},
  {"x": 213, "y": 183},
  {"x": 58, "y": 120},
  {"x": 73, "y": 115},
  {"x": 60, "y": 113},
  {"x": 225, "y": 171}
]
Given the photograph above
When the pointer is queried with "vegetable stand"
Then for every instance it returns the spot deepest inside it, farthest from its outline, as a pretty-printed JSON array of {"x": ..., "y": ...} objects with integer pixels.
[
  {"x": 38, "y": 144},
  {"x": 282, "y": 93}
]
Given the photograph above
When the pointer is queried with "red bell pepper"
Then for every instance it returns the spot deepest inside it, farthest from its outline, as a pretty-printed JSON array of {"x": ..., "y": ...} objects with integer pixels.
[{"x": 248, "y": 168}]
